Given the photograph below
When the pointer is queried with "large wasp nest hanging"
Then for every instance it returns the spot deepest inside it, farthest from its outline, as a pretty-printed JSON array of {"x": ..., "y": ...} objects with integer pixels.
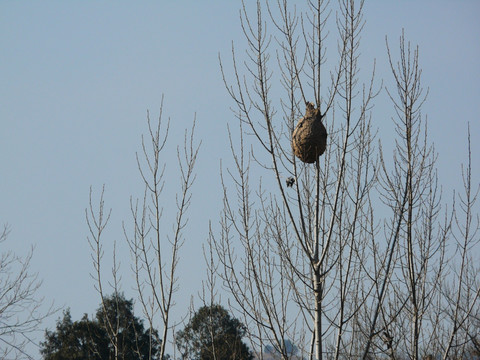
[{"x": 309, "y": 139}]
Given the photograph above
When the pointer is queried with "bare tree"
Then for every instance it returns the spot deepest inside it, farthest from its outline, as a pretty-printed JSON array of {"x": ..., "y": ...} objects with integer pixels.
[
  {"x": 414, "y": 295},
  {"x": 461, "y": 296},
  {"x": 21, "y": 311},
  {"x": 304, "y": 250},
  {"x": 97, "y": 220},
  {"x": 414, "y": 262},
  {"x": 155, "y": 251},
  {"x": 348, "y": 256}
]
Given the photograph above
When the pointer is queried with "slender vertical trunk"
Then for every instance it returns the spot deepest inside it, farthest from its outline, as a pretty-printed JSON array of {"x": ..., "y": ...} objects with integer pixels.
[
  {"x": 318, "y": 315},
  {"x": 317, "y": 287},
  {"x": 410, "y": 255},
  {"x": 162, "y": 345}
]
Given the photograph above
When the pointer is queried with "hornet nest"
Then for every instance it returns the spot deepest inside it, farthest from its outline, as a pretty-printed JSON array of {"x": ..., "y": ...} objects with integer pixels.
[{"x": 309, "y": 139}]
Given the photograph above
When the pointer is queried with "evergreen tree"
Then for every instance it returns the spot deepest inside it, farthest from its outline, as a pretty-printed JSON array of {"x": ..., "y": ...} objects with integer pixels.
[
  {"x": 77, "y": 340},
  {"x": 213, "y": 334},
  {"x": 94, "y": 339}
]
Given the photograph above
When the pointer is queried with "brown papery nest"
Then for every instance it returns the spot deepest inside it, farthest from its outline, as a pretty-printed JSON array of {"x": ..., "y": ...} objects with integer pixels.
[{"x": 309, "y": 139}]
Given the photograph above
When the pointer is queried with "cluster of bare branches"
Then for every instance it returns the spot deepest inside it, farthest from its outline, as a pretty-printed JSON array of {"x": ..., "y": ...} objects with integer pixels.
[
  {"x": 154, "y": 250},
  {"x": 21, "y": 310},
  {"x": 354, "y": 256},
  {"x": 355, "y": 260}
]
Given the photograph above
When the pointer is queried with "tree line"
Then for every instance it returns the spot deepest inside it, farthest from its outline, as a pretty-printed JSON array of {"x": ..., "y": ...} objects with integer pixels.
[{"x": 210, "y": 334}]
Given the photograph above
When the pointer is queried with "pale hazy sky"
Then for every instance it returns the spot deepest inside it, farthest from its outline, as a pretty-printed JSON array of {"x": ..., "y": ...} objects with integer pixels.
[{"x": 76, "y": 80}]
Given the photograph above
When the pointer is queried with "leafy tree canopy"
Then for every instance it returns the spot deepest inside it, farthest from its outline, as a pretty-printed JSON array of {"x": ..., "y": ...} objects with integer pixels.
[
  {"x": 213, "y": 334},
  {"x": 114, "y": 323}
]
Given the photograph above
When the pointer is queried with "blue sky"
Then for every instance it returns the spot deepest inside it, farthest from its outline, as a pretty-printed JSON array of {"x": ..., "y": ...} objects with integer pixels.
[{"x": 76, "y": 80}]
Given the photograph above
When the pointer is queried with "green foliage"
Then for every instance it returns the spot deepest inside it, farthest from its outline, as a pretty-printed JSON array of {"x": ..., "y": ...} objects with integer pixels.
[
  {"x": 213, "y": 334},
  {"x": 94, "y": 339},
  {"x": 77, "y": 340}
]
